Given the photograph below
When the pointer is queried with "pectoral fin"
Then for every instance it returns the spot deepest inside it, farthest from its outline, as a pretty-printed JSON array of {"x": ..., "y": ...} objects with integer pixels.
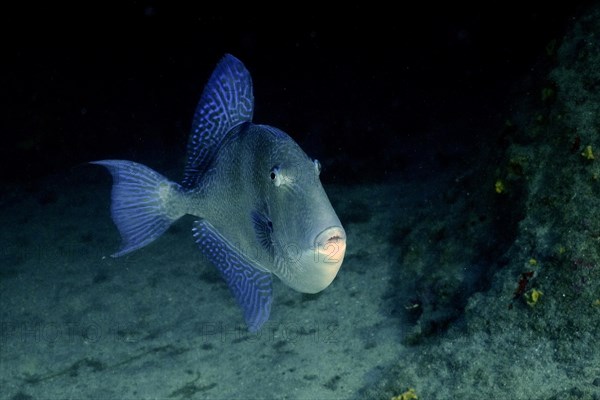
[
  {"x": 250, "y": 285},
  {"x": 263, "y": 228}
]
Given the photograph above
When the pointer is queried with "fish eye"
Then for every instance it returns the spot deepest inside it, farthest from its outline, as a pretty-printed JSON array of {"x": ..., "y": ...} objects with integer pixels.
[
  {"x": 275, "y": 176},
  {"x": 317, "y": 166}
]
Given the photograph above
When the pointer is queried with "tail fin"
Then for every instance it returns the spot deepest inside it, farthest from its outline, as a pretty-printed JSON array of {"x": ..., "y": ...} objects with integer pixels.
[{"x": 140, "y": 203}]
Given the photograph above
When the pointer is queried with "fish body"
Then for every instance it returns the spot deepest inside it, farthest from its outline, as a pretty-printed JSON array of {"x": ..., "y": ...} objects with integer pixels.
[{"x": 261, "y": 208}]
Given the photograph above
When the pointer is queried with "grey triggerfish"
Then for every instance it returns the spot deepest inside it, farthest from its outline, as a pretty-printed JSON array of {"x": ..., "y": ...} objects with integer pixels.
[{"x": 260, "y": 205}]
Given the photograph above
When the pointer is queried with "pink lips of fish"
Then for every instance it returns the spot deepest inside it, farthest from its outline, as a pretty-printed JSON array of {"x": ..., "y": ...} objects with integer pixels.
[{"x": 330, "y": 246}]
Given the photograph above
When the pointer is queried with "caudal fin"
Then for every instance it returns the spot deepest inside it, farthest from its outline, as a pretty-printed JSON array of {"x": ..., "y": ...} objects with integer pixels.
[{"x": 140, "y": 203}]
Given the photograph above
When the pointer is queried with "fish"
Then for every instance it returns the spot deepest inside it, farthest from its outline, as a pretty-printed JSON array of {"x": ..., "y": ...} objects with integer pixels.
[{"x": 260, "y": 206}]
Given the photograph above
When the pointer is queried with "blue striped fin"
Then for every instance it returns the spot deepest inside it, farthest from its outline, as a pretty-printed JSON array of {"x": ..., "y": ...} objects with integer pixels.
[
  {"x": 137, "y": 207},
  {"x": 250, "y": 286},
  {"x": 227, "y": 101}
]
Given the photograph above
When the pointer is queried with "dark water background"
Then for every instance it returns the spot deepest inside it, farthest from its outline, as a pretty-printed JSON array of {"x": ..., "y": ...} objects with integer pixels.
[{"x": 368, "y": 90}]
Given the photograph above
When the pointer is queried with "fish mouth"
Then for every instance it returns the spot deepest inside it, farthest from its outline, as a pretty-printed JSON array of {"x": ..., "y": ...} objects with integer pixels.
[{"x": 330, "y": 245}]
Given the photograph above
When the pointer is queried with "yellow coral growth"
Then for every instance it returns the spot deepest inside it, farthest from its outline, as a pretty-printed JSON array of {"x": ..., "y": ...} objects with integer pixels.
[
  {"x": 588, "y": 153},
  {"x": 533, "y": 297},
  {"x": 410, "y": 394},
  {"x": 500, "y": 188}
]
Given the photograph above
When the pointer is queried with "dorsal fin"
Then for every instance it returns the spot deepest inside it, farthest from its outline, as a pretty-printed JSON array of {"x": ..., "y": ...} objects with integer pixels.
[{"x": 227, "y": 101}]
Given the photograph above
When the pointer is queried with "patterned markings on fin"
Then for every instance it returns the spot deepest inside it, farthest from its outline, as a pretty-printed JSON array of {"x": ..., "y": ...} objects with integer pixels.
[
  {"x": 250, "y": 286},
  {"x": 263, "y": 228},
  {"x": 138, "y": 205},
  {"x": 227, "y": 101}
]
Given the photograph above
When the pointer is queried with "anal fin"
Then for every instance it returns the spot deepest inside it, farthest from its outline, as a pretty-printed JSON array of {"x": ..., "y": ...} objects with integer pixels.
[{"x": 251, "y": 287}]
